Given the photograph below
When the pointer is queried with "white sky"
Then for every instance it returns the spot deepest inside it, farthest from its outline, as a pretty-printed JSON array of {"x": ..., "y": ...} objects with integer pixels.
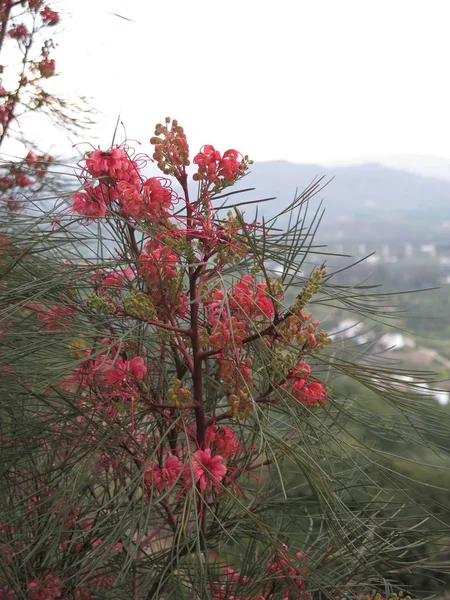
[{"x": 302, "y": 80}]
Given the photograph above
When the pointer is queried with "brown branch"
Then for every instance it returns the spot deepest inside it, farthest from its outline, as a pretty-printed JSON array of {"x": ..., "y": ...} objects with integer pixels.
[
  {"x": 5, "y": 20},
  {"x": 121, "y": 311}
]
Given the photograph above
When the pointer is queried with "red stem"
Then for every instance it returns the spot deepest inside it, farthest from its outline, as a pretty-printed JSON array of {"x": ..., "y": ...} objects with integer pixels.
[{"x": 197, "y": 355}]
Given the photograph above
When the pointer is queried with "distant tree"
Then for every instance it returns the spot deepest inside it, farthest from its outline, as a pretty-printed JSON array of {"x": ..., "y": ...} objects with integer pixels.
[{"x": 26, "y": 64}]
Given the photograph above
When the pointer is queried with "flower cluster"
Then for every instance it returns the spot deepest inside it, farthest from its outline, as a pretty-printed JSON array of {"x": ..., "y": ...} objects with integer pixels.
[
  {"x": 49, "y": 16},
  {"x": 54, "y": 319},
  {"x": 284, "y": 573},
  {"x": 112, "y": 177},
  {"x": 19, "y": 32},
  {"x": 171, "y": 148},
  {"x": 219, "y": 171},
  {"x": 306, "y": 392}
]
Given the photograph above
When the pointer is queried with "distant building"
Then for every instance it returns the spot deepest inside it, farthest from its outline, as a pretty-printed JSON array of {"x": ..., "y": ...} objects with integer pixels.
[
  {"x": 408, "y": 250},
  {"x": 429, "y": 249},
  {"x": 373, "y": 260},
  {"x": 396, "y": 340},
  {"x": 347, "y": 328}
]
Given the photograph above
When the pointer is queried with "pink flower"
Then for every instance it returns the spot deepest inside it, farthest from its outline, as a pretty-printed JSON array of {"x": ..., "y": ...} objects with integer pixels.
[
  {"x": 223, "y": 441},
  {"x": 39, "y": 163},
  {"x": 22, "y": 180},
  {"x": 93, "y": 202},
  {"x": 19, "y": 32},
  {"x": 114, "y": 279},
  {"x": 309, "y": 393},
  {"x": 113, "y": 164},
  {"x": 49, "y": 589},
  {"x": 228, "y": 334},
  {"x": 216, "y": 169},
  {"x": 54, "y": 319},
  {"x": 137, "y": 368},
  {"x": 158, "y": 264},
  {"x": 229, "y": 164},
  {"x": 123, "y": 372},
  {"x": 163, "y": 478},
  {"x": 35, "y": 4},
  {"x": 152, "y": 200},
  {"x": 206, "y": 470},
  {"x": 251, "y": 299},
  {"x": 49, "y": 17},
  {"x": 159, "y": 196}
]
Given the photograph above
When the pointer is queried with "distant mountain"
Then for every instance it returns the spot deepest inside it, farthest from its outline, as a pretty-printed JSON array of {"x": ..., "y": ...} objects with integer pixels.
[
  {"x": 426, "y": 165},
  {"x": 354, "y": 192}
]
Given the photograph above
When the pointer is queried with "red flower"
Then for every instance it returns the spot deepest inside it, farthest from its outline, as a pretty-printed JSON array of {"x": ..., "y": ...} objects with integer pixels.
[
  {"x": 251, "y": 299},
  {"x": 159, "y": 265},
  {"x": 19, "y": 32},
  {"x": 123, "y": 372},
  {"x": 93, "y": 202},
  {"x": 223, "y": 441},
  {"x": 163, "y": 478},
  {"x": 310, "y": 394},
  {"x": 216, "y": 169},
  {"x": 153, "y": 200},
  {"x": 113, "y": 279},
  {"x": 113, "y": 164},
  {"x": 22, "y": 180},
  {"x": 206, "y": 470},
  {"x": 49, "y": 17}
]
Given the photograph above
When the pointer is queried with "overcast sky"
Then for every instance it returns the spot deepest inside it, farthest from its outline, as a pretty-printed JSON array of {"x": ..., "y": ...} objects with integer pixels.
[{"x": 302, "y": 80}]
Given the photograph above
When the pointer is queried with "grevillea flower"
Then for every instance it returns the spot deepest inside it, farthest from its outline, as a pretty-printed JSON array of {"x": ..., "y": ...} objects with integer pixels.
[
  {"x": 105, "y": 461},
  {"x": 123, "y": 372},
  {"x": 163, "y": 478},
  {"x": 48, "y": 589},
  {"x": 283, "y": 567},
  {"x": 39, "y": 163},
  {"x": 251, "y": 299},
  {"x": 35, "y": 4},
  {"x": 49, "y": 17},
  {"x": 22, "y": 180},
  {"x": 114, "y": 164},
  {"x": 19, "y": 32},
  {"x": 296, "y": 327},
  {"x": 206, "y": 470},
  {"x": 113, "y": 279},
  {"x": 171, "y": 148},
  {"x": 218, "y": 170},
  {"x": 228, "y": 333},
  {"x": 152, "y": 199},
  {"x": 222, "y": 441},
  {"x": 158, "y": 264},
  {"x": 229, "y": 165},
  {"x": 207, "y": 160},
  {"x": 54, "y": 319},
  {"x": 93, "y": 202},
  {"x": 235, "y": 373},
  {"x": 310, "y": 394}
]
